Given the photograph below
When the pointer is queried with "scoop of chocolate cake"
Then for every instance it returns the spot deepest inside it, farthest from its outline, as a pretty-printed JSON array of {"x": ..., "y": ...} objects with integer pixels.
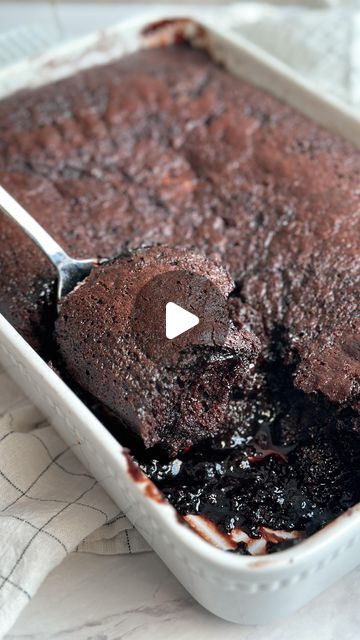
[{"x": 111, "y": 337}]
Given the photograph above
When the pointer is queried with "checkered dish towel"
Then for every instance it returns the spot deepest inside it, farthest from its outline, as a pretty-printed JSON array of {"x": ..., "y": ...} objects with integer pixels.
[{"x": 49, "y": 505}]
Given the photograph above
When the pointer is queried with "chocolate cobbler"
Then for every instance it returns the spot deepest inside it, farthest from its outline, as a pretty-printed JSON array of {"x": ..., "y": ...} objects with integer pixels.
[
  {"x": 169, "y": 392},
  {"x": 162, "y": 152}
]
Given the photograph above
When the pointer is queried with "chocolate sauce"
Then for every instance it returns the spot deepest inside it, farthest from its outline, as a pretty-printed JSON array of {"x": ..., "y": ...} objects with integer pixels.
[{"x": 282, "y": 467}]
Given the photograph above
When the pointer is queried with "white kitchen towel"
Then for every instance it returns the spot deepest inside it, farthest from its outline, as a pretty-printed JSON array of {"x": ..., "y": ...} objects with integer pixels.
[
  {"x": 49, "y": 505},
  {"x": 322, "y": 44}
]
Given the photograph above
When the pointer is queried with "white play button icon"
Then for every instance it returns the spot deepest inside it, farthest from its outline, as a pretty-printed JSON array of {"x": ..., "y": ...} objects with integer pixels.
[
  {"x": 178, "y": 320},
  {"x": 177, "y": 310}
]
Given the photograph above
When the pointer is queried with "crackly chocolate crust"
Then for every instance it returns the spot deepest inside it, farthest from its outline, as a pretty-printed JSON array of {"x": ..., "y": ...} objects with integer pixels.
[
  {"x": 165, "y": 147},
  {"x": 174, "y": 395}
]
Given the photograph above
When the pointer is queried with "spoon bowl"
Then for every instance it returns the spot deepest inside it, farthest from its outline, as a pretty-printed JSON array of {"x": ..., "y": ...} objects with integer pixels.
[{"x": 70, "y": 271}]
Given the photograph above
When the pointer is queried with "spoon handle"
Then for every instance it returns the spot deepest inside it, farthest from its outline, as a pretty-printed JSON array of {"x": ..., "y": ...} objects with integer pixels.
[{"x": 33, "y": 229}]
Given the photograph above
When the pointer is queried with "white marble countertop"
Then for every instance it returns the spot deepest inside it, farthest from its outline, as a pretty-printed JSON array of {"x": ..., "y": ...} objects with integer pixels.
[{"x": 135, "y": 597}]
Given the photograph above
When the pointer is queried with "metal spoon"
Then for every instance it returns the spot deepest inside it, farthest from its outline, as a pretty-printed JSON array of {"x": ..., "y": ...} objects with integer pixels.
[{"x": 70, "y": 271}]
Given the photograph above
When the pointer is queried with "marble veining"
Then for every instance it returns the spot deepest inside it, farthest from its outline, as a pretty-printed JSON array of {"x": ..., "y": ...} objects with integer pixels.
[{"x": 92, "y": 597}]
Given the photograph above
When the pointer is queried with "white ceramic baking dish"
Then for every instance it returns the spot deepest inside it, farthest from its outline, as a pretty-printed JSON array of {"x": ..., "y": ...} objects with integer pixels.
[{"x": 239, "y": 588}]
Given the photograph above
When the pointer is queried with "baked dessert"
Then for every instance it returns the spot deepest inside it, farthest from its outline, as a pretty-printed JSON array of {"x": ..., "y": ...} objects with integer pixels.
[
  {"x": 165, "y": 147},
  {"x": 176, "y": 392}
]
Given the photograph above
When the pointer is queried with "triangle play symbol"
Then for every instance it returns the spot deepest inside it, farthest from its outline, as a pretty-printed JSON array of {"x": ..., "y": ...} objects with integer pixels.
[{"x": 178, "y": 320}]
